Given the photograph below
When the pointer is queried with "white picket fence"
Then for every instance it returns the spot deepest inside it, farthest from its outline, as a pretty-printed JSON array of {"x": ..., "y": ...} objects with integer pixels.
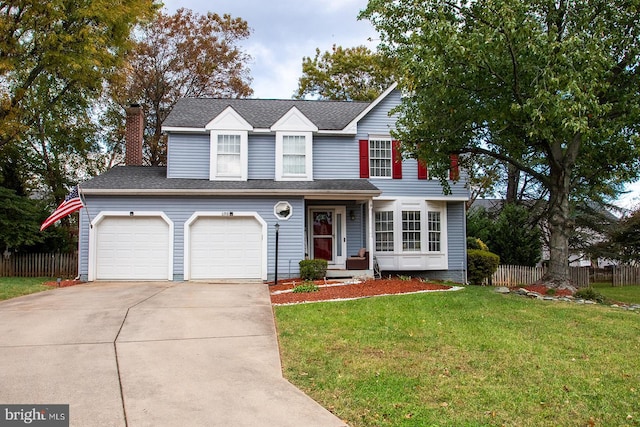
[{"x": 518, "y": 275}]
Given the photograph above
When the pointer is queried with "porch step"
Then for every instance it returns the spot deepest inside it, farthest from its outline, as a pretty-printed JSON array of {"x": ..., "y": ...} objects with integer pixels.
[{"x": 339, "y": 274}]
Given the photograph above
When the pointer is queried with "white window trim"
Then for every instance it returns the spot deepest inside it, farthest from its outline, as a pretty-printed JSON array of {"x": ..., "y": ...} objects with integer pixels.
[
  {"x": 308, "y": 176},
  {"x": 380, "y": 138},
  {"x": 414, "y": 204},
  {"x": 244, "y": 157}
]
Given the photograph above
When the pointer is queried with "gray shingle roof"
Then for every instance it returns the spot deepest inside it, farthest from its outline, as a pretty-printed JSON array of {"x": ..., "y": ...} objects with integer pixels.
[
  {"x": 146, "y": 180},
  {"x": 263, "y": 113}
]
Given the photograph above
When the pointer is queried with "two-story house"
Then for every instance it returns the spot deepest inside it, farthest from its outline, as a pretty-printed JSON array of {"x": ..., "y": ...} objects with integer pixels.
[{"x": 326, "y": 174}]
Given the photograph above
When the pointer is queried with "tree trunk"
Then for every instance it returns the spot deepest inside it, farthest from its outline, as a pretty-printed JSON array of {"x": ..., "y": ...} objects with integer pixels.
[
  {"x": 513, "y": 182},
  {"x": 560, "y": 223}
]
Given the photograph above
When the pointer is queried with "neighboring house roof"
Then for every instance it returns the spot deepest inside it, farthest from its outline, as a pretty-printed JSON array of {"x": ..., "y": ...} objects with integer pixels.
[
  {"x": 136, "y": 180},
  {"x": 263, "y": 113}
]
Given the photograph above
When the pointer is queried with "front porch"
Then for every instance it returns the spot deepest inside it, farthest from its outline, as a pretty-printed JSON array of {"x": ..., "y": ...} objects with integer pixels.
[{"x": 340, "y": 231}]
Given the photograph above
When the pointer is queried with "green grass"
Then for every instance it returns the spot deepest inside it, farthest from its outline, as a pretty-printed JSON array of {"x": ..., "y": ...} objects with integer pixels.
[
  {"x": 11, "y": 287},
  {"x": 626, "y": 294},
  {"x": 466, "y": 358}
]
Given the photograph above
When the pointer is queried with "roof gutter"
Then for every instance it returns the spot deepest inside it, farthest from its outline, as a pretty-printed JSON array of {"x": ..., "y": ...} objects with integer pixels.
[{"x": 226, "y": 192}]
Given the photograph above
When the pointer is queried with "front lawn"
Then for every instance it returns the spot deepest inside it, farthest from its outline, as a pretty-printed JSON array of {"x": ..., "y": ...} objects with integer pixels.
[
  {"x": 11, "y": 287},
  {"x": 466, "y": 358},
  {"x": 627, "y": 294}
]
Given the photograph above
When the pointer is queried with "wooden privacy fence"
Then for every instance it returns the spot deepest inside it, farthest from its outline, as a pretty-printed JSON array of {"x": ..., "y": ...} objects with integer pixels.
[
  {"x": 517, "y": 275},
  {"x": 39, "y": 265},
  {"x": 624, "y": 275}
]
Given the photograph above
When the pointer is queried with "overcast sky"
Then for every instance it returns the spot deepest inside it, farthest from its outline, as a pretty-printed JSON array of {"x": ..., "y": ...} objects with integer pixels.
[{"x": 284, "y": 31}]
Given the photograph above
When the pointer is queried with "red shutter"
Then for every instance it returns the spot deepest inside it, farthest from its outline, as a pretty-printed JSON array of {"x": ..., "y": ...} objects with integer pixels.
[
  {"x": 364, "y": 158},
  {"x": 396, "y": 160},
  {"x": 422, "y": 170},
  {"x": 454, "y": 171}
]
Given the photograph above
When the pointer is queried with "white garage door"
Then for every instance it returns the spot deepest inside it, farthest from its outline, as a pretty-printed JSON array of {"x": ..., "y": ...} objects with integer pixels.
[
  {"x": 132, "y": 248},
  {"x": 226, "y": 248}
]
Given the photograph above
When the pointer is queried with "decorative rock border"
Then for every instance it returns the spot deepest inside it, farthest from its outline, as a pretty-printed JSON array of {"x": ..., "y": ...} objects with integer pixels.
[{"x": 536, "y": 295}]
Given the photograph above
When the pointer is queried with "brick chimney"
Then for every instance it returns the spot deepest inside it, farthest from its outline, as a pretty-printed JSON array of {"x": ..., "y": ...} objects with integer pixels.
[{"x": 133, "y": 136}]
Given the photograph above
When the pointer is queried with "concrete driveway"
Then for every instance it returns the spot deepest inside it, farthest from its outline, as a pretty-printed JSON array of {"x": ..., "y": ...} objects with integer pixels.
[{"x": 151, "y": 354}]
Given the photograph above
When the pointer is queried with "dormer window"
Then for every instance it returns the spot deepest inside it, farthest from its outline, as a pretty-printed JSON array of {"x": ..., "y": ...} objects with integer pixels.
[
  {"x": 293, "y": 155},
  {"x": 229, "y": 147},
  {"x": 294, "y": 147},
  {"x": 229, "y": 155}
]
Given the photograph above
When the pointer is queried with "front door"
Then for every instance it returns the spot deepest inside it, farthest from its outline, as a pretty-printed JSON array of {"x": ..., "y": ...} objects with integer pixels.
[{"x": 328, "y": 236}]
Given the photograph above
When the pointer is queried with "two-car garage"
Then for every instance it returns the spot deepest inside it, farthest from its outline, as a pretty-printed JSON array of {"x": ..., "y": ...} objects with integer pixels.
[{"x": 140, "y": 246}]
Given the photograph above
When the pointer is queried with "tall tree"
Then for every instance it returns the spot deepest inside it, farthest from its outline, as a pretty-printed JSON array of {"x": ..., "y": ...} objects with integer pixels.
[
  {"x": 549, "y": 87},
  {"x": 351, "y": 74},
  {"x": 181, "y": 55},
  {"x": 56, "y": 47}
]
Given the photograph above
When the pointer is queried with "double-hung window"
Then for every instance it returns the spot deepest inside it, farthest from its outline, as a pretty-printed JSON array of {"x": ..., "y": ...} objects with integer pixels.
[
  {"x": 294, "y": 156},
  {"x": 229, "y": 155},
  {"x": 434, "y": 230},
  {"x": 384, "y": 231},
  {"x": 228, "y": 161},
  {"x": 380, "y": 158},
  {"x": 411, "y": 231}
]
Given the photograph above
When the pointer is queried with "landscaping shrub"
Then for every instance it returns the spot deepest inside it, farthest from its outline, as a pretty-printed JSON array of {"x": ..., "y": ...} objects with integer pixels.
[
  {"x": 475, "y": 243},
  {"x": 481, "y": 265},
  {"x": 305, "y": 287},
  {"x": 313, "y": 269},
  {"x": 590, "y": 294}
]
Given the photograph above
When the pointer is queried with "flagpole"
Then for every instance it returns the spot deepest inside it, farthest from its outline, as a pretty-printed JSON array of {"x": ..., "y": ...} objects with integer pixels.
[{"x": 84, "y": 203}]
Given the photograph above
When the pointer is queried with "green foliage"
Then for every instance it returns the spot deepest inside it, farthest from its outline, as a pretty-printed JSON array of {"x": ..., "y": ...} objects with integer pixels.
[
  {"x": 622, "y": 240},
  {"x": 549, "y": 88},
  {"x": 313, "y": 269},
  {"x": 590, "y": 294},
  {"x": 19, "y": 225},
  {"x": 57, "y": 48},
  {"x": 512, "y": 233},
  {"x": 306, "y": 287},
  {"x": 351, "y": 74},
  {"x": 514, "y": 238},
  {"x": 404, "y": 278},
  {"x": 479, "y": 223},
  {"x": 475, "y": 243},
  {"x": 481, "y": 265}
]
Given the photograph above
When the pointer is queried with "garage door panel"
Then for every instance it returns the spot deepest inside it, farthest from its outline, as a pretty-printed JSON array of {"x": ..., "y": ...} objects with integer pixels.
[
  {"x": 132, "y": 248},
  {"x": 223, "y": 247}
]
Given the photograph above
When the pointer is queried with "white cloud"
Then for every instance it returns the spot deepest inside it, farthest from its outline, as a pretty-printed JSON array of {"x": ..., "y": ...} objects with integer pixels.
[{"x": 285, "y": 31}]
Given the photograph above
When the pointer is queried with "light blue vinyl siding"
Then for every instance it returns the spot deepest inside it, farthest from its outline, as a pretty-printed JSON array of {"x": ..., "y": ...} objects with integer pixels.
[
  {"x": 378, "y": 121},
  {"x": 188, "y": 156},
  {"x": 335, "y": 157},
  {"x": 180, "y": 209},
  {"x": 457, "y": 245},
  {"x": 262, "y": 156}
]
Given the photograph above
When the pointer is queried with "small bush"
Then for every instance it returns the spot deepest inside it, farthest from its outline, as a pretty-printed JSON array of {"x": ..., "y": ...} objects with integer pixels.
[
  {"x": 305, "y": 287},
  {"x": 404, "y": 278},
  {"x": 313, "y": 269},
  {"x": 481, "y": 265},
  {"x": 475, "y": 243},
  {"x": 590, "y": 294}
]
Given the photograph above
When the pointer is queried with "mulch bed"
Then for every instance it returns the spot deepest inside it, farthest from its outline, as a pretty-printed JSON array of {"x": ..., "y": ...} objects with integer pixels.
[
  {"x": 63, "y": 283},
  {"x": 335, "y": 290}
]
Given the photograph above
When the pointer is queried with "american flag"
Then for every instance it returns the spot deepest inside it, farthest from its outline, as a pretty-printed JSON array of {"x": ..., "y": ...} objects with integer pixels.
[{"x": 70, "y": 204}]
